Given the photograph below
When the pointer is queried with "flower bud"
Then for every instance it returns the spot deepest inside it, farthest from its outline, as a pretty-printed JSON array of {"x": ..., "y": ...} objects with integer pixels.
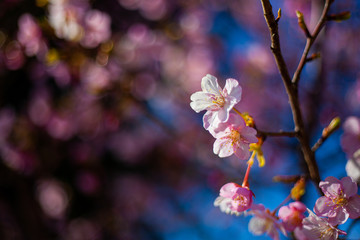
[
  {"x": 298, "y": 190},
  {"x": 332, "y": 127}
]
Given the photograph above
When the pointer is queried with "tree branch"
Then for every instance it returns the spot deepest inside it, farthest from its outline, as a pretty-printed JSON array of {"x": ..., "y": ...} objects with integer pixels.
[
  {"x": 291, "y": 86},
  {"x": 309, "y": 42}
]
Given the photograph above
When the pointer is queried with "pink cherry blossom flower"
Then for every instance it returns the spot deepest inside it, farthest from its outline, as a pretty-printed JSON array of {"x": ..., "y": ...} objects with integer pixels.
[
  {"x": 340, "y": 201},
  {"x": 225, "y": 205},
  {"x": 97, "y": 28},
  {"x": 353, "y": 167},
  {"x": 350, "y": 141},
  {"x": 233, "y": 137},
  {"x": 30, "y": 35},
  {"x": 264, "y": 222},
  {"x": 292, "y": 215},
  {"x": 234, "y": 198},
  {"x": 315, "y": 227},
  {"x": 216, "y": 101}
]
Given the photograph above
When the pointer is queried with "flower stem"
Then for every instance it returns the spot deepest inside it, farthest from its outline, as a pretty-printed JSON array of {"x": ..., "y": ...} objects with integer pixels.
[
  {"x": 282, "y": 203},
  {"x": 250, "y": 163}
]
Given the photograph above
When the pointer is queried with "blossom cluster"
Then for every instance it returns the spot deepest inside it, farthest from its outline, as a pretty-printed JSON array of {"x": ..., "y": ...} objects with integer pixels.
[{"x": 235, "y": 134}]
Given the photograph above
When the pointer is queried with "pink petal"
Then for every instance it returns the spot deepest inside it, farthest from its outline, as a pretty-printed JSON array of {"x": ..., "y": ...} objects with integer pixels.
[
  {"x": 241, "y": 151},
  {"x": 223, "y": 148},
  {"x": 352, "y": 125},
  {"x": 299, "y": 206},
  {"x": 210, "y": 120},
  {"x": 341, "y": 217},
  {"x": 285, "y": 212},
  {"x": 228, "y": 190},
  {"x": 349, "y": 187},
  {"x": 236, "y": 120},
  {"x": 210, "y": 84},
  {"x": 353, "y": 207},
  {"x": 249, "y": 134},
  {"x": 324, "y": 207},
  {"x": 232, "y": 88},
  {"x": 331, "y": 187},
  {"x": 223, "y": 115},
  {"x": 200, "y": 101}
]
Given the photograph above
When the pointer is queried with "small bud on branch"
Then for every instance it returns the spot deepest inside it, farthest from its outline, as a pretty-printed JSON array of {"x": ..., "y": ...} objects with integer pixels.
[
  {"x": 339, "y": 17},
  {"x": 302, "y": 24},
  {"x": 278, "y": 16},
  {"x": 313, "y": 57},
  {"x": 332, "y": 127}
]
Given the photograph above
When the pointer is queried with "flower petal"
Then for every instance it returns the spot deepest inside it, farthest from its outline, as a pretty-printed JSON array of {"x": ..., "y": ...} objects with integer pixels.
[
  {"x": 229, "y": 190},
  {"x": 341, "y": 217},
  {"x": 331, "y": 187},
  {"x": 353, "y": 207},
  {"x": 210, "y": 121},
  {"x": 324, "y": 207},
  {"x": 349, "y": 187},
  {"x": 200, "y": 101},
  {"x": 210, "y": 84},
  {"x": 249, "y": 134},
  {"x": 232, "y": 88},
  {"x": 241, "y": 150},
  {"x": 223, "y": 148}
]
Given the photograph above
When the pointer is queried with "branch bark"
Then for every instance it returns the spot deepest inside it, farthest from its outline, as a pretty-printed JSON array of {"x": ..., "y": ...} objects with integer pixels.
[{"x": 291, "y": 84}]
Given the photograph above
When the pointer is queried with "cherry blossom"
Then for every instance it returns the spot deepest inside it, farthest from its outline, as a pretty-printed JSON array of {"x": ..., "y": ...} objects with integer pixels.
[
  {"x": 225, "y": 205},
  {"x": 30, "y": 35},
  {"x": 315, "y": 227},
  {"x": 350, "y": 141},
  {"x": 97, "y": 28},
  {"x": 234, "y": 198},
  {"x": 340, "y": 201},
  {"x": 353, "y": 167},
  {"x": 218, "y": 102},
  {"x": 233, "y": 137},
  {"x": 264, "y": 222},
  {"x": 292, "y": 215}
]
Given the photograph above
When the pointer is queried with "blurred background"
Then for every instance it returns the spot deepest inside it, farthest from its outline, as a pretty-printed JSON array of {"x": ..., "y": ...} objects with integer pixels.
[{"x": 97, "y": 137}]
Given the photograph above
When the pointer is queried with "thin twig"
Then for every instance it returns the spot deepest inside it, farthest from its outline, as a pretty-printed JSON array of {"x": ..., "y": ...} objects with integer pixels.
[
  {"x": 291, "y": 86},
  {"x": 309, "y": 42},
  {"x": 318, "y": 143}
]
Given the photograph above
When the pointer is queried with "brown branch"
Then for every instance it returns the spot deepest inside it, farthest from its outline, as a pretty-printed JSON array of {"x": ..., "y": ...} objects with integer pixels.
[
  {"x": 309, "y": 42},
  {"x": 318, "y": 143},
  {"x": 291, "y": 86}
]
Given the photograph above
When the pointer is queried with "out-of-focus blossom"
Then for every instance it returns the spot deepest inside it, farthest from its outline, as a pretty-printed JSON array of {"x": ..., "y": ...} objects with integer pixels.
[
  {"x": 60, "y": 127},
  {"x": 340, "y": 201},
  {"x": 216, "y": 101},
  {"x": 233, "y": 137},
  {"x": 61, "y": 73},
  {"x": 53, "y": 198},
  {"x": 81, "y": 229},
  {"x": 315, "y": 227},
  {"x": 240, "y": 198},
  {"x": 225, "y": 205},
  {"x": 39, "y": 108},
  {"x": 292, "y": 215},
  {"x": 7, "y": 119},
  {"x": 152, "y": 10},
  {"x": 29, "y": 35},
  {"x": 95, "y": 78},
  {"x": 350, "y": 141},
  {"x": 65, "y": 17},
  {"x": 13, "y": 56},
  {"x": 353, "y": 167},
  {"x": 264, "y": 222},
  {"x": 97, "y": 28}
]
